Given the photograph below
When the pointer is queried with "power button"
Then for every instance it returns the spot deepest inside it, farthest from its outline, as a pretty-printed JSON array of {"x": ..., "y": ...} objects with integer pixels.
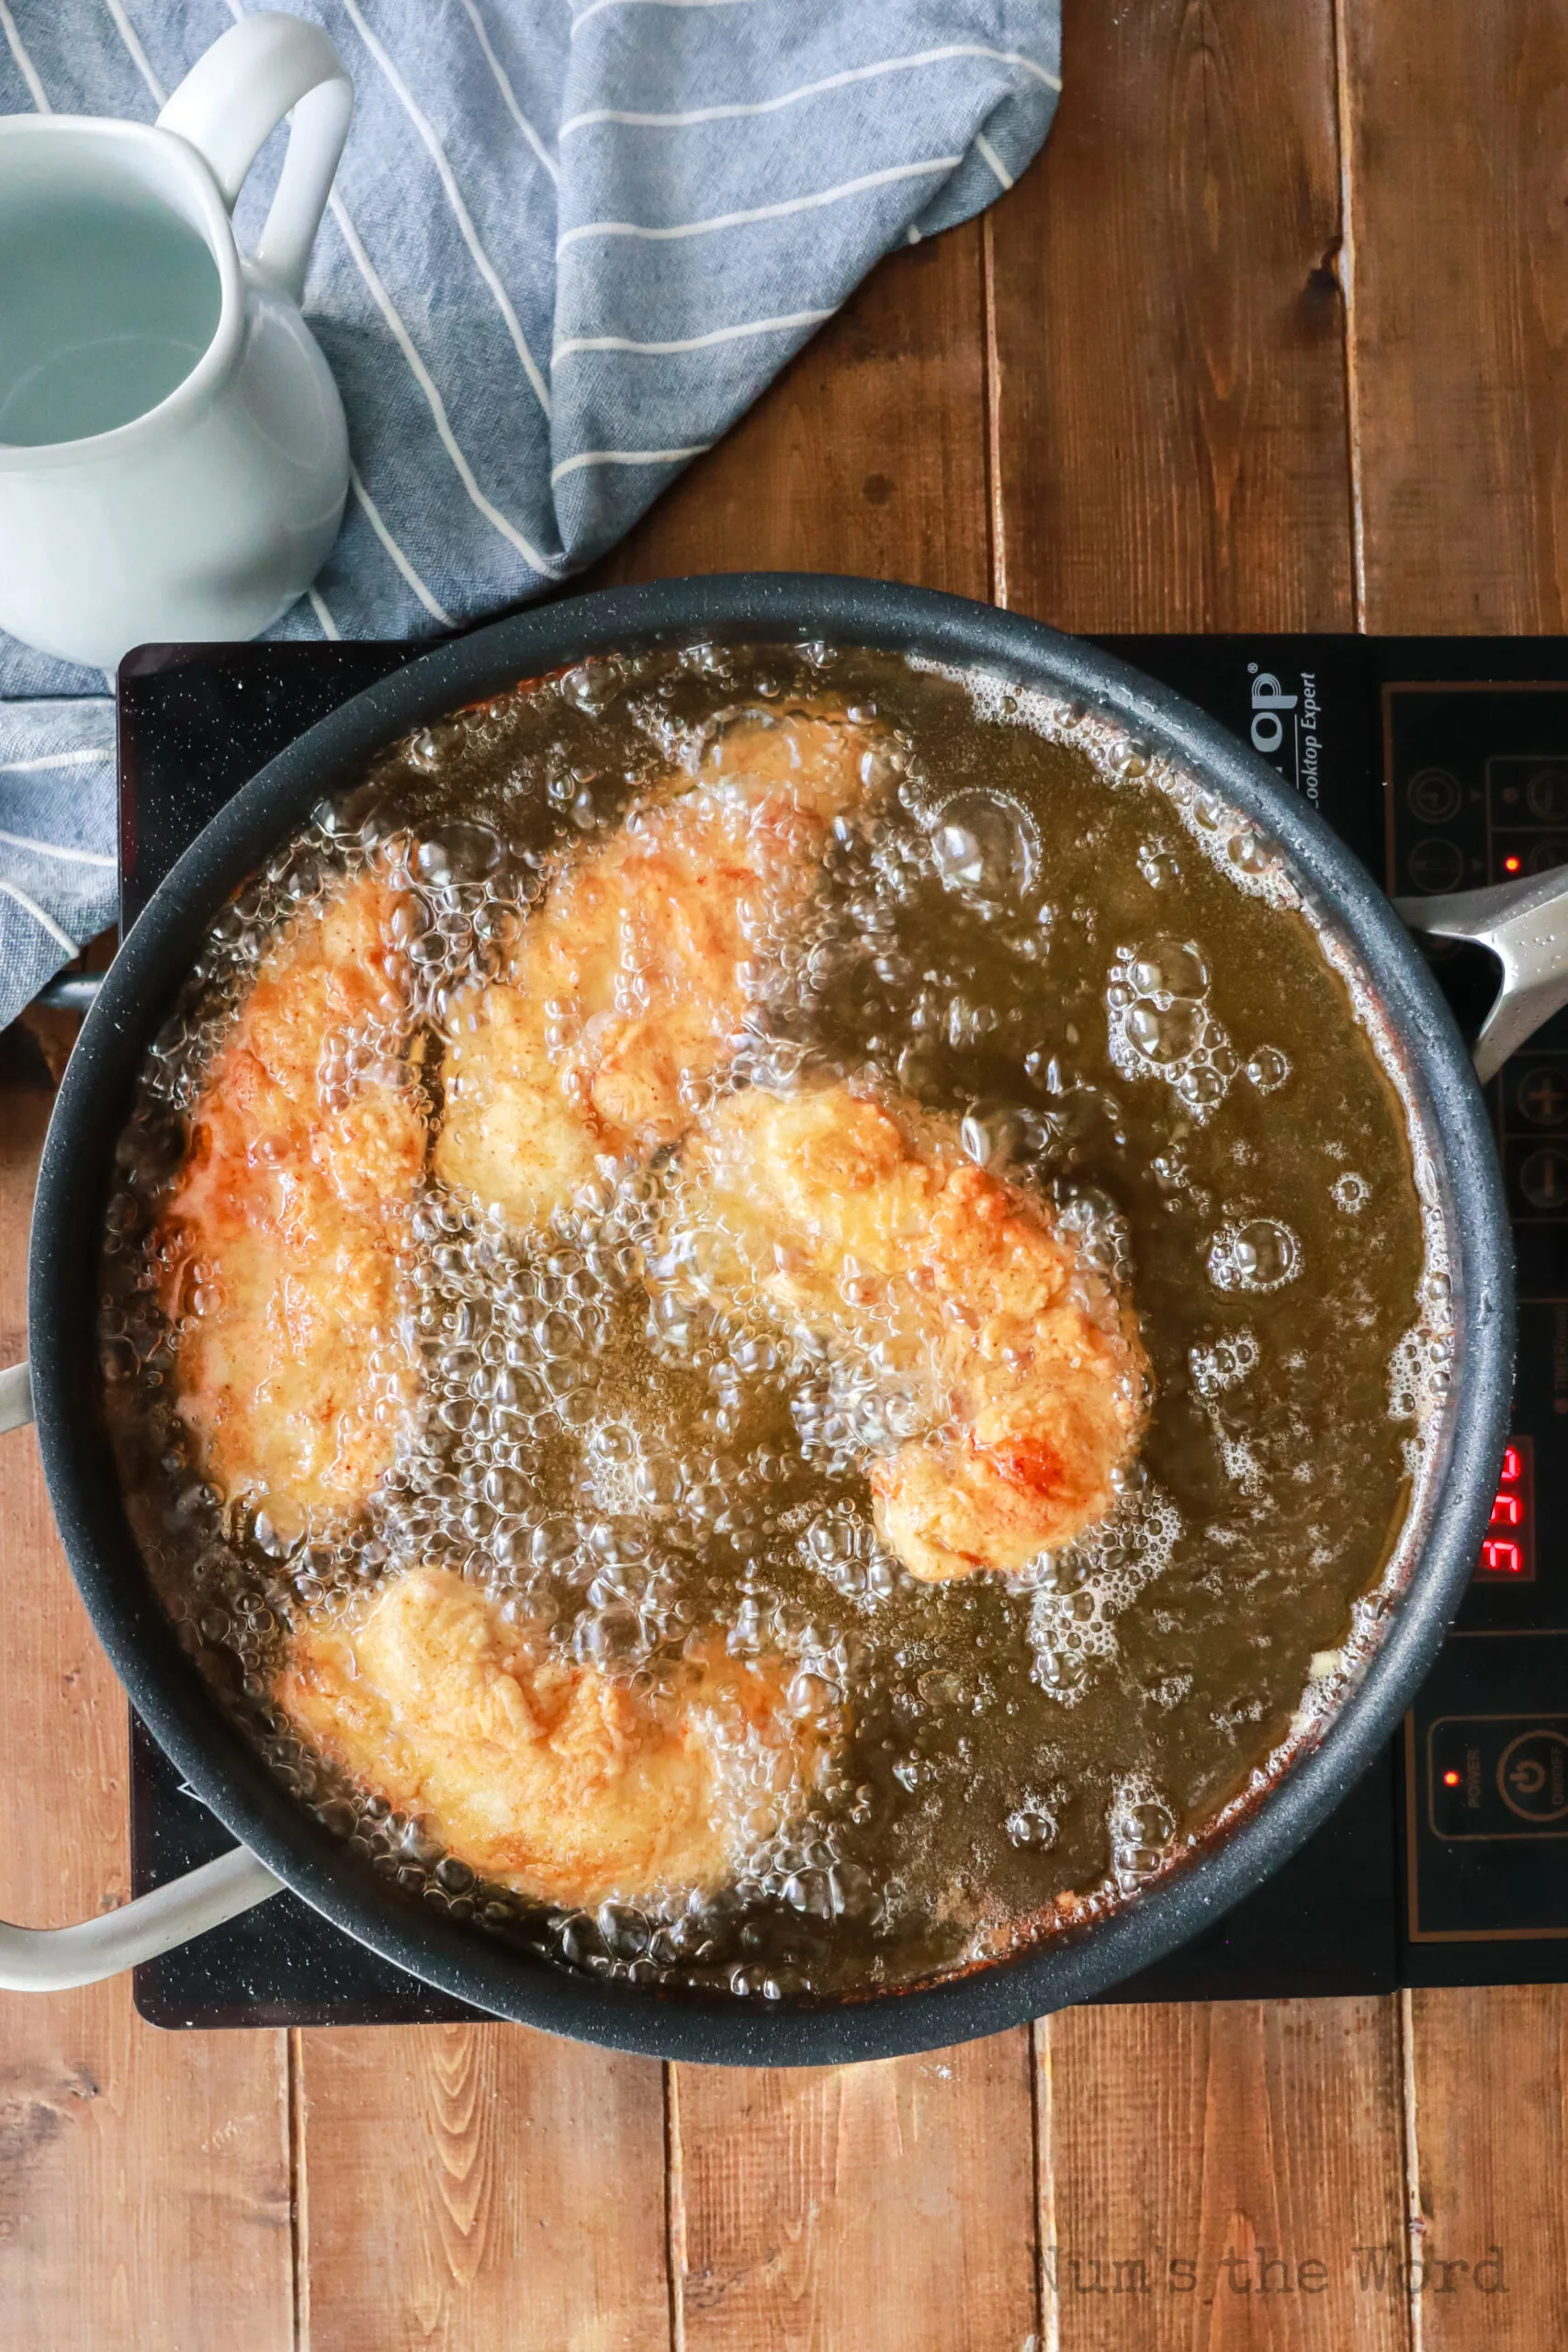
[
  {"x": 1532, "y": 1776},
  {"x": 1497, "y": 1776}
]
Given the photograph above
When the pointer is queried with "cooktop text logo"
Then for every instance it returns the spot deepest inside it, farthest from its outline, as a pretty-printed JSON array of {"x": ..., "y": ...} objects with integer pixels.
[
  {"x": 1268, "y": 699},
  {"x": 1272, "y": 708}
]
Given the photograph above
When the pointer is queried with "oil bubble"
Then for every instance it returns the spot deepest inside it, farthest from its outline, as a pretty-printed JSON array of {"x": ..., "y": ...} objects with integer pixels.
[
  {"x": 1159, "y": 1023},
  {"x": 1351, "y": 1192},
  {"x": 991, "y": 1133},
  {"x": 1267, "y": 1069},
  {"x": 428, "y": 749},
  {"x": 456, "y": 851},
  {"x": 1249, "y": 853},
  {"x": 1170, "y": 970},
  {"x": 1032, "y": 1825},
  {"x": 591, "y": 686},
  {"x": 1171, "y": 1034},
  {"x": 1200, "y": 1087},
  {"x": 1217, "y": 1369},
  {"x": 1085, "y": 1587},
  {"x": 1262, "y": 1256},
  {"x": 1142, "y": 1824},
  {"x": 984, "y": 849},
  {"x": 1102, "y": 1231}
]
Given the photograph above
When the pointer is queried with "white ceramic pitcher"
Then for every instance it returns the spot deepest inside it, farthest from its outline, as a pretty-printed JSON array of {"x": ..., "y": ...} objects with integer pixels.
[{"x": 173, "y": 455}]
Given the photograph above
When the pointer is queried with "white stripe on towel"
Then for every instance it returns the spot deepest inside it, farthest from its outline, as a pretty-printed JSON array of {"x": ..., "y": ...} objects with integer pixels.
[
  {"x": 81, "y": 759},
  {"x": 57, "y": 849},
  {"x": 690, "y": 342},
  {"x": 438, "y": 406},
  {"x": 627, "y": 458},
  {"x": 811, "y": 90},
  {"x": 596, "y": 6},
  {"x": 762, "y": 211},
  {"x": 329, "y": 627},
  {"x": 995, "y": 161},
  {"x": 373, "y": 516},
  {"x": 503, "y": 83},
  {"x": 140, "y": 59},
  {"x": 460, "y": 212},
  {"x": 25, "y": 65},
  {"x": 31, "y": 907}
]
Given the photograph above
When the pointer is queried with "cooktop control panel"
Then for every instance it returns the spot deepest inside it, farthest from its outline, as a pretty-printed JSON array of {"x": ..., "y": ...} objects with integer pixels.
[{"x": 1477, "y": 773}]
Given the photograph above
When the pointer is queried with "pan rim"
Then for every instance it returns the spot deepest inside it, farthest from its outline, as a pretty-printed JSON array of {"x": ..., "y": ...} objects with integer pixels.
[{"x": 160, "y": 1679}]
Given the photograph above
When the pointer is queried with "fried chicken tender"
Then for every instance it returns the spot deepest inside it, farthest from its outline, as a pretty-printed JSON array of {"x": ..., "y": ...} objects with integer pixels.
[
  {"x": 553, "y": 1779},
  {"x": 628, "y": 984},
  {"x": 279, "y": 1242},
  {"x": 865, "y": 1225}
]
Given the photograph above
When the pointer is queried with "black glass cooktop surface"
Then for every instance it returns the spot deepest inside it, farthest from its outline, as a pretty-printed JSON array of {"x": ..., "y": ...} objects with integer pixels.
[{"x": 1443, "y": 763}]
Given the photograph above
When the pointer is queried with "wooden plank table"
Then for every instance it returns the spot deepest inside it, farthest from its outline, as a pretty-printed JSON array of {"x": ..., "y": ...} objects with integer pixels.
[{"x": 1270, "y": 338}]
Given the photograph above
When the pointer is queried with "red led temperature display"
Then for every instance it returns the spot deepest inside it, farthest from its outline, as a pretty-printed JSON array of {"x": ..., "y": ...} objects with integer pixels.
[{"x": 1508, "y": 1548}]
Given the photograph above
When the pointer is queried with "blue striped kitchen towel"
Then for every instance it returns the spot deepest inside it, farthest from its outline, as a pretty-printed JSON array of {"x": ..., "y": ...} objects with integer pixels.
[{"x": 567, "y": 248}]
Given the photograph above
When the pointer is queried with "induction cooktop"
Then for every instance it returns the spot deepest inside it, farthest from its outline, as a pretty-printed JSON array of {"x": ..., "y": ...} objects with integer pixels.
[{"x": 1443, "y": 764}]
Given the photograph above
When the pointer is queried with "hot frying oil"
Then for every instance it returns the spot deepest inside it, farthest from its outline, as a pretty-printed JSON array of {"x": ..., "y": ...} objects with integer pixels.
[{"x": 1024, "y": 933}]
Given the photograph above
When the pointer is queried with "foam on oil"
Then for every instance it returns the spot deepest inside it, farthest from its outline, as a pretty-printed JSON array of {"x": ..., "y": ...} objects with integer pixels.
[{"x": 1053, "y": 939}]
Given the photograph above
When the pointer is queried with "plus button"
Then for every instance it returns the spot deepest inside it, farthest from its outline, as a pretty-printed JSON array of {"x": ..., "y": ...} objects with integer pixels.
[{"x": 1543, "y": 1097}]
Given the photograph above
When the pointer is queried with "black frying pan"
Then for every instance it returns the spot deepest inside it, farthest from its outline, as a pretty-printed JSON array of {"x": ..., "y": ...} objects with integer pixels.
[{"x": 282, "y": 1841}]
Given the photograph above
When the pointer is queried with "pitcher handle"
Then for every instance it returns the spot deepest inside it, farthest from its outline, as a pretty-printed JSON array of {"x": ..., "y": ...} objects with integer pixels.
[
  {"x": 1524, "y": 925},
  {"x": 234, "y": 98},
  {"x": 53, "y": 1960}
]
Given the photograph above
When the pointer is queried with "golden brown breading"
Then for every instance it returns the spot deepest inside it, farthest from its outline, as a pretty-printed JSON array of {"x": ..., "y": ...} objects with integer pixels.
[
  {"x": 550, "y": 1777},
  {"x": 628, "y": 983},
  {"x": 868, "y": 1226},
  {"x": 279, "y": 1243}
]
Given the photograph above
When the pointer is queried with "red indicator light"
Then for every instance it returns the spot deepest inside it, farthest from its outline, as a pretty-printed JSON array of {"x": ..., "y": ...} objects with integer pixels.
[
  {"x": 1499, "y": 1557},
  {"x": 1511, "y": 865},
  {"x": 1507, "y": 1510},
  {"x": 1509, "y": 1473},
  {"x": 1450, "y": 1779}
]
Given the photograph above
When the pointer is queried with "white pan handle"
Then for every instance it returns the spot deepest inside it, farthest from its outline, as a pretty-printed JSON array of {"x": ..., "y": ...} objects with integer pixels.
[
  {"x": 15, "y": 1396},
  {"x": 1524, "y": 925},
  {"x": 51, "y": 1960}
]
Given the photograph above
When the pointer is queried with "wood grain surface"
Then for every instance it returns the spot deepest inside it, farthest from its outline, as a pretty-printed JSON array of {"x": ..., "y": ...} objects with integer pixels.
[
  {"x": 887, "y": 2207},
  {"x": 1456, "y": 142},
  {"x": 1488, "y": 2094},
  {"x": 1271, "y": 338},
  {"x": 1272, "y": 2131},
  {"x": 479, "y": 2186},
  {"x": 1170, "y": 446}
]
